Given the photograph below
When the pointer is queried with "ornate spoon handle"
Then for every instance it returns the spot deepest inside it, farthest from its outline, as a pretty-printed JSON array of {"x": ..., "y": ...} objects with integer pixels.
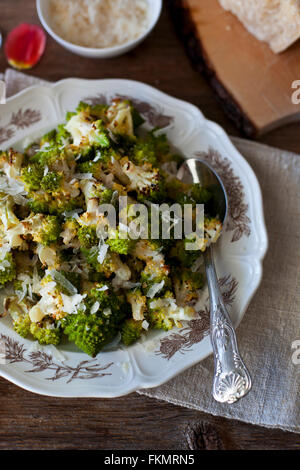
[{"x": 231, "y": 378}]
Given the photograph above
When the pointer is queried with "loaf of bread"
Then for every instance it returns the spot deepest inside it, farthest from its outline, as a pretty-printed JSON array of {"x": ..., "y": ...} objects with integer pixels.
[{"x": 276, "y": 22}]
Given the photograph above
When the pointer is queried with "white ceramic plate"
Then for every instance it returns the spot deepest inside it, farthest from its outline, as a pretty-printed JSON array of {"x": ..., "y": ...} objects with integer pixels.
[{"x": 238, "y": 256}]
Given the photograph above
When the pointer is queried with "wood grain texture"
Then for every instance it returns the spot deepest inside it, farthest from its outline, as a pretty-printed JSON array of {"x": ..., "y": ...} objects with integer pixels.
[
  {"x": 29, "y": 421},
  {"x": 252, "y": 83}
]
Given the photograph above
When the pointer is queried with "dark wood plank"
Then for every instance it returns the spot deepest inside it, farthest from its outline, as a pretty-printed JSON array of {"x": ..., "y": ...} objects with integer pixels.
[{"x": 29, "y": 421}]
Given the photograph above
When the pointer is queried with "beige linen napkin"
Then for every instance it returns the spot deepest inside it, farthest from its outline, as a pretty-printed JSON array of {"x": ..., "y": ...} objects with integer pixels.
[{"x": 271, "y": 325}]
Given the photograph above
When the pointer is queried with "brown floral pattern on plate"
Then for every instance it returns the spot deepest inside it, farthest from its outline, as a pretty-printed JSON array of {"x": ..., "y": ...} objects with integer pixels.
[
  {"x": 238, "y": 220},
  {"x": 20, "y": 120},
  {"x": 12, "y": 352},
  {"x": 196, "y": 329}
]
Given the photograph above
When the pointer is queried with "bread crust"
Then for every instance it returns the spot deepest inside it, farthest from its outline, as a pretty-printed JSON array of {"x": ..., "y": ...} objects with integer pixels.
[{"x": 276, "y": 22}]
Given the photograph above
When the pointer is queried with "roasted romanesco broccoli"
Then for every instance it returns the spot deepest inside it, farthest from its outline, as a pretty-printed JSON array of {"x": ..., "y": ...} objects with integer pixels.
[{"x": 78, "y": 262}]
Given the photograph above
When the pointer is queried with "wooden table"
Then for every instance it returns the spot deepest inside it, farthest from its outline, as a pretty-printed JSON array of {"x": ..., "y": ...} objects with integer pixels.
[{"x": 29, "y": 421}]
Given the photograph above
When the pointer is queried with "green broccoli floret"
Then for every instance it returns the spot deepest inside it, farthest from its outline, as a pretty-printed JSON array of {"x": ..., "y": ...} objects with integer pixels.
[
  {"x": 62, "y": 135},
  {"x": 95, "y": 110},
  {"x": 69, "y": 115},
  {"x": 186, "y": 284},
  {"x": 89, "y": 332},
  {"x": 107, "y": 298},
  {"x": 46, "y": 332},
  {"x": 95, "y": 168},
  {"x": 92, "y": 133},
  {"x": 7, "y": 215},
  {"x": 107, "y": 268},
  {"x": 43, "y": 229},
  {"x": 87, "y": 236},
  {"x": 164, "y": 312},
  {"x": 150, "y": 149},
  {"x": 131, "y": 331},
  {"x": 156, "y": 194},
  {"x": 72, "y": 277},
  {"x": 138, "y": 303},
  {"x": 99, "y": 191},
  {"x": 100, "y": 138},
  {"x": 51, "y": 182},
  {"x": 46, "y": 203},
  {"x": 32, "y": 176},
  {"x": 7, "y": 269},
  {"x": 142, "y": 152},
  {"x": 155, "y": 273},
  {"x": 47, "y": 156},
  {"x": 40, "y": 206},
  {"x": 118, "y": 244},
  {"x": 185, "y": 257},
  {"x": 49, "y": 138},
  {"x": 18, "y": 286},
  {"x": 106, "y": 196},
  {"x": 97, "y": 323},
  {"x": 158, "y": 313},
  {"x": 137, "y": 119},
  {"x": 22, "y": 326},
  {"x": 18, "y": 311}
]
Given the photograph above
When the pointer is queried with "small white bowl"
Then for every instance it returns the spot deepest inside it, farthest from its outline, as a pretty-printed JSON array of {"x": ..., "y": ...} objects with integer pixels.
[{"x": 155, "y": 7}]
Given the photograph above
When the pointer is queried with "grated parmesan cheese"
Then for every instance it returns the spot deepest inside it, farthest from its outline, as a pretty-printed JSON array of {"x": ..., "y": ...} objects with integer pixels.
[{"x": 99, "y": 23}]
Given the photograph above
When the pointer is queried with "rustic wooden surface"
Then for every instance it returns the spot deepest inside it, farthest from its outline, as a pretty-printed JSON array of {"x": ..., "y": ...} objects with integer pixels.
[
  {"x": 252, "y": 82},
  {"x": 29, "y": 421}
]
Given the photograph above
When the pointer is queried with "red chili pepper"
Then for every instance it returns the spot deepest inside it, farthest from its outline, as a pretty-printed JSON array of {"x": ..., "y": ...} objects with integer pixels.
[{"x": 25, "y": 46}]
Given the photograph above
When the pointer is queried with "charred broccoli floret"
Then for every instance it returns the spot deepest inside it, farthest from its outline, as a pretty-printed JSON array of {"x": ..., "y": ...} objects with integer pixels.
[
  {"x": 143, "y": 179},
  {"x": 86, "y": 132}
]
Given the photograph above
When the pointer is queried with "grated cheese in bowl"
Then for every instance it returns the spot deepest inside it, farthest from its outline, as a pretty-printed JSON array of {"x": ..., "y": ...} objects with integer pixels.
[{"x": 99, "y": 23}]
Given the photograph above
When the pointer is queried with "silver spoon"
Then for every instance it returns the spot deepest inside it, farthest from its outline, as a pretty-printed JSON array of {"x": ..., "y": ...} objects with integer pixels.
[{"x": 231, "y": 378}]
